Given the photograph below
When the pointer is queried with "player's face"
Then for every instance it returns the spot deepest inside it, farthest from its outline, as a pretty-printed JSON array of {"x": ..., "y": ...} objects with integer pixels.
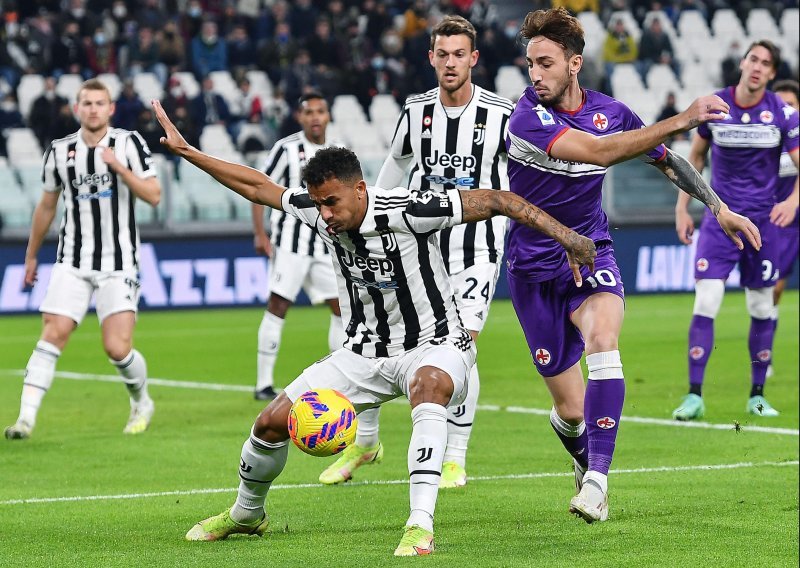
[
  {"x": 757, "y": 69},
  {"x": 549, "y": 69},
  {"x": 342, "y": 205},
  {"x": 94, "y": 109},
  {"x": 790, "y": 99},
  {"x": 314, "y": 117},
  {"x": 452, "y": 59}
]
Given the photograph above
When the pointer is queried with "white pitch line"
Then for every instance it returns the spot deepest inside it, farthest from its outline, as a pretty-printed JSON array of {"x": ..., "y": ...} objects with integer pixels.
[
  {"x": 665, "y": 469},
  {"x": 485, "y": 407}
]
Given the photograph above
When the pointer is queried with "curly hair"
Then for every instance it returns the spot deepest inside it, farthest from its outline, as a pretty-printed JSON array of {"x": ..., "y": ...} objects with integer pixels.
[
  {"x": 328, "y": 163},
  {"x": 558, "y": 26}
]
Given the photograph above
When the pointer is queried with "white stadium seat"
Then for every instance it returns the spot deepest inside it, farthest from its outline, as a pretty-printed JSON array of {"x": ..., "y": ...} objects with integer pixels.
[
  {"x": 29, "y": 88},
  {"x": 23, "y": 147},
  {"x": 630, "y": 23},
  {"x": 510, "y": 82},
  {"x": 111, "y": 80},
  {"x": 68, "y": 85},
  {"x": 761, "y": 25},
  {"x": 190, "y": 85},
  {"x": 347, "y": 109},
  {"x": 147, "y": 87},
  {"x": 726, "y": 27},
  {"x": 692, "y": 25}
]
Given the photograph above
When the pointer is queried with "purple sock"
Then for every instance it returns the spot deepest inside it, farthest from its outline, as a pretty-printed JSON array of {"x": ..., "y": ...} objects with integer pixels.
[
  {"x": 573, "y": 437},
  {"x": 602, "y": 409},
  {"x": 760, "y": 342},
  {"x": 701, "y": 342}
]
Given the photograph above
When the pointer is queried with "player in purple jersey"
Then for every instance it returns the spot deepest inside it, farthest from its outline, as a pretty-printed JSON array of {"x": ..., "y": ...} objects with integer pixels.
[
  {"x": 788, "y": 236},
  {"x": 561, "y": 140},
  {"x": 746, "y": 148}
]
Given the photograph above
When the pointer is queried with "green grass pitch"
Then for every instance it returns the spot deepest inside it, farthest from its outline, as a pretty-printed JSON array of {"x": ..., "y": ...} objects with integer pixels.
[{"x": 79, "y": 493}]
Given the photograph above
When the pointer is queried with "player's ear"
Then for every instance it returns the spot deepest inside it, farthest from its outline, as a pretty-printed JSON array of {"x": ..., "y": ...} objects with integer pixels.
[
  {"x": 361, "y": 188},
  {"x": 575, "y": 64},
  {"x": 430, "y": 57},
  {"x": 473, "y": 58}
]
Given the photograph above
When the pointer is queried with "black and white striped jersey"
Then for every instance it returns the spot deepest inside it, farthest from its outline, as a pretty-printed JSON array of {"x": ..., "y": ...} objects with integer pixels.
[
  {"x": 394, "y": 292},
  {"x": 461, "y": 148},
  {"x": 284, "y": 165},
  {"x": 98, "y": 230}
]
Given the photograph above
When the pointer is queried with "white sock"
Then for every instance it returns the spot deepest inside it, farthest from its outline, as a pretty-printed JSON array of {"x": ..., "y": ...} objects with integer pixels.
[
  {"x": 269, "y": 342},
  {"x": 260, "y": 464},
  {"x": 133, "y": 369},
  {"x": 460, "y": 419},
  {"x": 600, "y": 478},
  {"x": 367, "y": 429},
  {"x": 336, "y": 334},
  {"x": 425, "y": 455},
  {"x": 38, "y": 378}
]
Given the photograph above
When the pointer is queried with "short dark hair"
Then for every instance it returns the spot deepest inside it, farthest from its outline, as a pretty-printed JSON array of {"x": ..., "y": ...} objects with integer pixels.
[
  {"x": 558, "y": 26},
  {"x": 328, "y": 163},
  {"x": 454, "y": 25},
  {"x": 773, "y": 49},
  {"x": 310, "y": 96},
  {"x": 787, "y": 86}
]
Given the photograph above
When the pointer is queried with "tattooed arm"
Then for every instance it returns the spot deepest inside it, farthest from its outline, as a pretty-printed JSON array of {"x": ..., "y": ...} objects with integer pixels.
[
  {"x": 481, "y": 204},
  {"x": 683, "y": 174}
]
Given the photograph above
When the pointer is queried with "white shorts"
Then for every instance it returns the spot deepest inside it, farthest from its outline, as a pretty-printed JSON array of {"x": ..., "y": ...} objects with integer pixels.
[
  {"x": 288, "y": 272},
  {"x": 474, "y": 289},
  {"x": 368, "y": 382},
  {"x": 69, "y": 292}
]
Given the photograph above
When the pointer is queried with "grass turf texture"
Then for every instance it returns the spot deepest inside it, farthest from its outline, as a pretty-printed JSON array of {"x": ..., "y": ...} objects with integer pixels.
[{"x": 745, "y": 516}]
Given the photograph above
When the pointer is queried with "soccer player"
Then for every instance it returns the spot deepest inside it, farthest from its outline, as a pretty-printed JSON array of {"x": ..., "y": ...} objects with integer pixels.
[
  {"x": 561, "y": 140},
  {"x": 746, "y": 148},
  {"x": 404, "y": 336},
  {"x": 299, "y": 257},
  {"x": 100, "y": 172},
  {"x": 788, "y": 235},
  {"x": 453, "y": 136}
]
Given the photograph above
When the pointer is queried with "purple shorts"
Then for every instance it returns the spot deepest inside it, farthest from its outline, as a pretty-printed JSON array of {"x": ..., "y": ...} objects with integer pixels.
[
  {"x": 788, "y": 247},
  {"x": 716, "y": 254},
  {"x": 544, "y": 310}
]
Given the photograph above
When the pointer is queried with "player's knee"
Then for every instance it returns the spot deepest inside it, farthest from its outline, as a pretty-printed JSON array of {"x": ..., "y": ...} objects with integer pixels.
[
  {"x": 708, "y": 296},
  {"x": 599, "y": 341},
  {"x": 430, "y": 384},
  {"x": 56, "y": 330},
  {"x": 272, "y": 423},
  {"x": 759, "y": 302},
  {"x": 278, "y": 306},
  {"x": 570, "y": 411}
]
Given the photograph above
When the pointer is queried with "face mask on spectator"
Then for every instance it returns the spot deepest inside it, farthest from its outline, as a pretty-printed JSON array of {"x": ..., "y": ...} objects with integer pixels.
[
  {"x": 8, "y": 106},
  {"x": 511, "y": 32},
  {"x": 99, "y": 39},
  {"x": 209, "y": 39},
  {"x": 78, "y": 12},
  {"x": 195, "y": 11},
  {"x": 120, "y": 11}
]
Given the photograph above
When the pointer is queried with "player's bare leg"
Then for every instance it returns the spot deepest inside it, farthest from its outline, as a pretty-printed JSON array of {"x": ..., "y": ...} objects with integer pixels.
[{"x": 567, "y": 390}]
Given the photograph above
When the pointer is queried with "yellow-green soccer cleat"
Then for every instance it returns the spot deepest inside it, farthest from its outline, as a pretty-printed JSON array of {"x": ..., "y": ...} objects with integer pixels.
[
  {"x": 222, "y": 526},
  {"x": 416, "y": 541},
  {"x": 18, "y": 431},
  {"x": 453, "y": 475},
  {"x": 351, "y": 459},
  {"x": 758, "y": 406},
  {"x": 140, "y": 416}
]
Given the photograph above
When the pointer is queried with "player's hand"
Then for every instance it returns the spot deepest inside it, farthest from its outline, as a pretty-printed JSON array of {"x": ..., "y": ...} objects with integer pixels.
[
  {"x": 783, "y": 213},
  {"x": 684, "y": 226},
  {"x": 580, "y": 252},
  {"x": 31, "y": 266},
  {"x": 262, "y": 244},
  {"x": 710, "y": 107},
  {"x": 174, "y": 141},
  {"x": 733, "y": 223},
  {"x": 110, "y": 158}
]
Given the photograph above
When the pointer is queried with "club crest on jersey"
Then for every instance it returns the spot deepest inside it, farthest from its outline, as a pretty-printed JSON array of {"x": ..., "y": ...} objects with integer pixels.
[
  {"x": 764, "y": 355},
  {"x": 479, "y": 134},
  {"x": 543, "y": 357},
  {"x": 766, "y": 116},
  {"x": 389, "y": 240},
  {"x": 544, "y": 116},
  {"x": 696, "y": 352},
  {"x": 600, "y": 121},
  {"x": 606, "y": 423},
  {"x": 702, "y": 264}
]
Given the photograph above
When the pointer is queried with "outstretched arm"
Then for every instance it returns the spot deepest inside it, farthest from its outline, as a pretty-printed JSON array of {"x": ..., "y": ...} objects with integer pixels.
[
  {"x": 680, "y": 172},
  {"x": 481, "y": 204},
  {"x": 783, "y": 213},
  {"x": 247, "y": 182}
]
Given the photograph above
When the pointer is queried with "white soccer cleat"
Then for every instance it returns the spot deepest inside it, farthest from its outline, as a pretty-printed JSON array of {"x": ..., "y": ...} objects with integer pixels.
[
  {"x": 18, "y": 431},
  {"x": 591, "y": 503},
  {"x": 140, "y": 416},
  {"x": 579, "y": 471}
]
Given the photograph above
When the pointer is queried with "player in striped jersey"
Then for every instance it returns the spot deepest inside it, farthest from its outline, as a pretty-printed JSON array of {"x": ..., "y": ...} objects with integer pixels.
[
  {"x": 299, "y": 258},
  {"x": 404, "y": 335},
  {"x": 452, "y": 136},
  {"x": 99, "y": 172}
]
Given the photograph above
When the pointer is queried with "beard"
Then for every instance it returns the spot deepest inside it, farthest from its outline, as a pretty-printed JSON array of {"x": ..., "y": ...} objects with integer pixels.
[
  {"x": 554, "y": 97},
  {"x": 455, "y": 87}
]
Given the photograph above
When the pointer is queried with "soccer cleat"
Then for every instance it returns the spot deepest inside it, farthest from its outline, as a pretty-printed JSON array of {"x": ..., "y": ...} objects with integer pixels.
[
  {"x": 267, "y": 393},
  {"x": 416, "y": 541},
  {"x": 222, "y": 526},
  {"x": 140, "y": 416},
  {"x": 591, "y": 503},
  {"x": 18, "y": 431},
  {"x": 453, "y": 475},
  {"x": 579, "y": 471},
  {"x": 351, "y": 459},
  {"x": 692, "y": 407},
  {"x": 759, "y": 406}
]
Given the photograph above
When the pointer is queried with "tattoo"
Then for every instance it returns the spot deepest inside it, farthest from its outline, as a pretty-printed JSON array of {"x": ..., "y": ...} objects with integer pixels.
[{"x": 682, "y": 173}]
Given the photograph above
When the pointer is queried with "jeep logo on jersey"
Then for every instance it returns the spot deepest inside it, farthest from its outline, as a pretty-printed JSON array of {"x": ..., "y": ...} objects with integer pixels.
[
  {"x": 382, "y": 266},
  {"x": 451, "y": 161},
  {"x": 92, "y": 179}
]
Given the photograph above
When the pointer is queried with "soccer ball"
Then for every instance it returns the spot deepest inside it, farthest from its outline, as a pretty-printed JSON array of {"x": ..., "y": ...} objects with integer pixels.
[{"x": 322, "y": 422}]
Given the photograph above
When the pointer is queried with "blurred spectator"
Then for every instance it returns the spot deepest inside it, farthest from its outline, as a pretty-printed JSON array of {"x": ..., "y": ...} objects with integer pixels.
[
  {"x": 44, "y": 112},
  {"x": 38, "y": 37},
  {"x": 10, "y": 64},
  {"x": 483, "y": 15},
  {"x": 65, "y": 123},
  {"x": 415, "y": 20},
  {"x": 209, "y": 53},
  {"x": 299, "y": 77},
  {"x": 100, "y": 53},
  {"x": 377, "y": 20},
  {"x": 325, "y": 51},
  {"x": 10, "y": 117},
  {"x": 192, "y": 20},
  {"x": 338, "y": 18},
  {"x": 144, "y": 55},
  {"x": 241, "y": 51},
  {"x": 729, "y": 68},
  {"x": 655, "y": 47},
  {"x": 668, "y": 111},
  {"x": 578, "y": 6},
  {"x": 175, "y": 97},
  {"x": 209, "y": 107},
  {"x": 275, "y": 112},
  {"x": 146, "y": 124},
  {"x": 302, "y": 17},
  {"x": 150, "y": 15},
  {"x": 619, "y": 47},
  {"x": 358, "y": 53},
  {"x": 277, "y": 54},
  {"x": 128, "y": 107},
  {"x": 77, "y": 12},
  {"x": 171, "y": 48},
  {"x": 69, "y": 55}
]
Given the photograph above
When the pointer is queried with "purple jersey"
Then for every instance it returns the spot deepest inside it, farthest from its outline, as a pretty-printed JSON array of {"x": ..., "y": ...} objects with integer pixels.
[
  {"x": 569, "y": 191},
  {"x": 746, "y": 150}
]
